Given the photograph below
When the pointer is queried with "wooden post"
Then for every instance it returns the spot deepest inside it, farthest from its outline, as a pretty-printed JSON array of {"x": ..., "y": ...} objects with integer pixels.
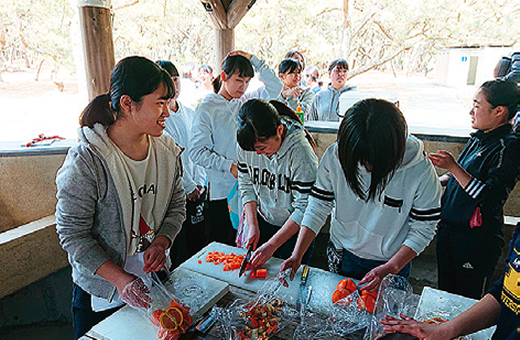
[
  {"x": 96, "y": 31},
  {"x": 224, "y": 43},
  {"x": 225, "y": 15}
]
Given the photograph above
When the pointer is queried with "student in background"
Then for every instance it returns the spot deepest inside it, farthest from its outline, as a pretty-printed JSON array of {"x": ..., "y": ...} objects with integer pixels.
[
  {"x": 325, "y": 106},
  {"x": 290, "y": 71},
  {"x": 276, "y": 170},
  {"x": 384, "y": 192},
  {"x": 120, "y": 197},
  {"x": 205, "y": 83},
  {"x": 312, "y": 77},
  {"x": 470, "y": 236},
  {"x": 214, "y": 138},
  {"x": 192, "y": 236}
]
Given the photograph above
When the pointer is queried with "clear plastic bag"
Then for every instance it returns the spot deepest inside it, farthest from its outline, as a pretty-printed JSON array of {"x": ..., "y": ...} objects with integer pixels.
[
  {"x": 259, "y": 318},
  {"x": 395, "y": 297},
  {"x": 170, "y": 316}
]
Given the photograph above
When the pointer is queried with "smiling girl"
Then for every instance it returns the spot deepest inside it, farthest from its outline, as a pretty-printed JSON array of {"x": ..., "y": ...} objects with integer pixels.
[
  {"x": 120, "y": 197},
  {"x": 477, "y": 187},
  {"x": 290, "y": 71},
  {"x": 214, "y": 138}
]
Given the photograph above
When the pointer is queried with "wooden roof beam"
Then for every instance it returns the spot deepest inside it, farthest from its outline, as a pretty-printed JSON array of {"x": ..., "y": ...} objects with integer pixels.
[
  {"x": 237, "y": 10},
  {"x": 216, "y": 12}
]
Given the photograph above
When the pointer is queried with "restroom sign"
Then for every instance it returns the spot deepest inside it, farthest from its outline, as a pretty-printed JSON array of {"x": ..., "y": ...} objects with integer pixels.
[{"x": 464, "y": 59}]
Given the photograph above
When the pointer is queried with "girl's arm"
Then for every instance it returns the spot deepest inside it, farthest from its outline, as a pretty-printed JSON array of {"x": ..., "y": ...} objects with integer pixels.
[{"x": 306, "y": 99}]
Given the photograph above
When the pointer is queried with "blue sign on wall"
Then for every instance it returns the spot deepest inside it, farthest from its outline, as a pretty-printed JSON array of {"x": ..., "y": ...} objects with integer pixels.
[{"x": 464, "y": 59}]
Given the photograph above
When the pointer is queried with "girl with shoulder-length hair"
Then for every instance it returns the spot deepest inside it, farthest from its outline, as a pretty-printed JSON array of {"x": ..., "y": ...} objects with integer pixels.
[
  {"x": 214, "y": 139},
  {"x": 478, "y": 183},
  {"x": 120, "y": 197},
  {"x": 277, "y": 168},
  {"x": 384, "y": 192}
]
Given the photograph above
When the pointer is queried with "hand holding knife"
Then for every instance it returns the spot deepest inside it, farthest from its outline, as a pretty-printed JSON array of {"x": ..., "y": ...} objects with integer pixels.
[{"x": 246, "y": 260}]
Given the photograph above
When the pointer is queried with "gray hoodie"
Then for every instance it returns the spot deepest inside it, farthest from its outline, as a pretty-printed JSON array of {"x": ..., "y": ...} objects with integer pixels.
[
  {"x": 281, "y": 183},
  {"x": 325, "y": 106},
  {"x": 94, "y": 205}
]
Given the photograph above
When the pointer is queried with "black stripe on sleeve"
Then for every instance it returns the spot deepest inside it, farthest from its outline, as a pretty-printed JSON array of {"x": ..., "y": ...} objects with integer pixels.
[
  {"x": 426, "y": 214},
  {"x": 322, "y": 194}
]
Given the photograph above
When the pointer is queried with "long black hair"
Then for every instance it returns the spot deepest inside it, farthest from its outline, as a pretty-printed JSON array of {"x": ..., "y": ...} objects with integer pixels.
[
  {"x": 259, "y": 120},
  {"x": 234, "y": 64},
  {"x": 372, "y": 134},
  {"x": 501, "y": 92},
  {"x": 133, "y": 76}
]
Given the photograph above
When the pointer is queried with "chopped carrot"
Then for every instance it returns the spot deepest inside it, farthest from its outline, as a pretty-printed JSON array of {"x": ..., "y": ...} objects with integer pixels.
[
  {"x": 199, "y": 261},
  {"x": 261, "y": 272}
]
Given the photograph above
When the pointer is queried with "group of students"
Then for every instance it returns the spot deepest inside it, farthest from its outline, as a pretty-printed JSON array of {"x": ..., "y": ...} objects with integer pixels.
[{"x": 125, "y": 189}]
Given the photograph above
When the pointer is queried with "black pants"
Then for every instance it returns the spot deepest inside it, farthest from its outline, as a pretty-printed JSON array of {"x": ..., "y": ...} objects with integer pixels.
[
  {"x": 466, "y": 260},
  {"x": 83, "y": 317},
  {"x": 220, "y": 226},
  {"x": 267, "y": 230},
  {"x": 192, "y": 237}
]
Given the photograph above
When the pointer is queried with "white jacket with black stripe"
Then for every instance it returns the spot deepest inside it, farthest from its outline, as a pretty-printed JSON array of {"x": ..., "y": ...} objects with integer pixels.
[
  {"x": 281, "y": 183},
  {"x": 406, "y": 213}
]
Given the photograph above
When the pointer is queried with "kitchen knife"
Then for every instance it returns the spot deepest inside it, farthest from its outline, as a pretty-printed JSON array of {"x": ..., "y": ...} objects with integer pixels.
[
  {"x": 302, "y": 302},
  {"x": 245, "y": 262},
  {"x": 202, "y": 327}
]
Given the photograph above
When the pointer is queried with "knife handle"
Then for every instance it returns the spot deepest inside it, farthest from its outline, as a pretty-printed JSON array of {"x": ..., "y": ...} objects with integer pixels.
[{"x": 305, "y": 275}]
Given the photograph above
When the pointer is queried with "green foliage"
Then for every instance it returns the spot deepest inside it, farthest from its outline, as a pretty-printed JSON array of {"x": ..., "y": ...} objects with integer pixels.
[{"x": 410, "y": 32}]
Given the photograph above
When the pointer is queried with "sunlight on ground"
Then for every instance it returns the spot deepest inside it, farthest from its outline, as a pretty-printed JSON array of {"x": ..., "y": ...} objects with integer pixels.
[{"x": 29, "y": 108}]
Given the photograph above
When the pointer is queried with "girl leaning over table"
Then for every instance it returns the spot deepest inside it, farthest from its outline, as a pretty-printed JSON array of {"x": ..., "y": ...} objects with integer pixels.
[
  {"x": 276, "y": 170},
  {"x": 384, "y": 194},
  {"x": 120, "y": 197}
]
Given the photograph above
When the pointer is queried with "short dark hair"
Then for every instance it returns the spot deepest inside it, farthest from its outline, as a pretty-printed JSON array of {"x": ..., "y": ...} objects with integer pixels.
[
  {"x": 373, "y": 134},
  {"x": 500, "y": 92},
  {"x": 289, "y": 65},
  {"x": 341, "y": 63},
  {"x": 169, "y": 67},
  {"x": 206, "y": 68},
  {"x": 257, "y": 121},
  {"x": 133, "y": 76}
]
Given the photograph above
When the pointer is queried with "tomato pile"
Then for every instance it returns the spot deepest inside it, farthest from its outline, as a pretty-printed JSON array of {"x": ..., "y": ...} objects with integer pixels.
[
  {"x": 263, "y": 319},
  {"x": 172, "y": 322},
  {"x": 346, "y": 287}
]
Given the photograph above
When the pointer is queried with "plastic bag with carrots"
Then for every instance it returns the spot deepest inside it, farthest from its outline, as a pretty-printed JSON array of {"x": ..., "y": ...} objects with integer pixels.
[
  {"x": 171, "y": 317},
  {"x": 260, "y": 317}
]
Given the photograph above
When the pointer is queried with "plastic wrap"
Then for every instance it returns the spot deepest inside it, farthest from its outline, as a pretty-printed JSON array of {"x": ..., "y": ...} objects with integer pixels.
[
  {"x": 178, "y": 318},
  {"x": 258, "y": 318},
  {"x": 395, "y": 297}
]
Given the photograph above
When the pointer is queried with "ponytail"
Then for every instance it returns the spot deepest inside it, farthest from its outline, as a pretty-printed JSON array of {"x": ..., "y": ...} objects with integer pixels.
[
  {"x": 99, "y": 110},
  {"x": 287, "y": 112}
]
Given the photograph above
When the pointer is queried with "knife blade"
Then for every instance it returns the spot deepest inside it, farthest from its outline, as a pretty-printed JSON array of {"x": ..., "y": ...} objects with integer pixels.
[
  {"x": 302, "y": 302},
  {"x": 245, "y": 262},
  {"x": 201, "y": 328}
]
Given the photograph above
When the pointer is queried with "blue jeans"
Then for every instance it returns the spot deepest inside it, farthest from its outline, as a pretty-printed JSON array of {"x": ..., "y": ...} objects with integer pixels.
[
  {"x": 347, "y": 264},
  {"x": 83, "y": 317}
]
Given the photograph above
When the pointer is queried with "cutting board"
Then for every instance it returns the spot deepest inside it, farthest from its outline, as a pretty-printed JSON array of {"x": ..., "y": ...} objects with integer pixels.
[
  {"x": 323, "y": 282},
  {"x": 438, "y": 303},
  {"x": 197, "y": 291}
]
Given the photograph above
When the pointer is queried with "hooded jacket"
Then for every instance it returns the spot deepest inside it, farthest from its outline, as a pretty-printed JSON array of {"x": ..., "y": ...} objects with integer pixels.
[
  {"x": 95, "y": 206},
  {"x": 177, "y": 126},
  {"x": 405, "y": 214},
  {"x": 281, "y": 183},
  {"x": 214, "y": 134},
  {"x": 325, "y": 106}
]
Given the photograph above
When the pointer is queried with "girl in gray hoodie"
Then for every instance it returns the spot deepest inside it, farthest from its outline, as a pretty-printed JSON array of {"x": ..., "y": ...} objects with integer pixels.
[
  {"x": 277, "y": 168},
  {"x": 120, "y": 197}
]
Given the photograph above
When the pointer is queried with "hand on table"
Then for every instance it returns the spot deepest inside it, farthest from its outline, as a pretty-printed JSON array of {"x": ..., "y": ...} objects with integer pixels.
[
  {"x": 292, "y": 263},
  {"x": 443, "y": 160},
  {"x": 374, "y": 278},
  {"x": 422, "y": 330},
  {"x": 262, "y": 254}
]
